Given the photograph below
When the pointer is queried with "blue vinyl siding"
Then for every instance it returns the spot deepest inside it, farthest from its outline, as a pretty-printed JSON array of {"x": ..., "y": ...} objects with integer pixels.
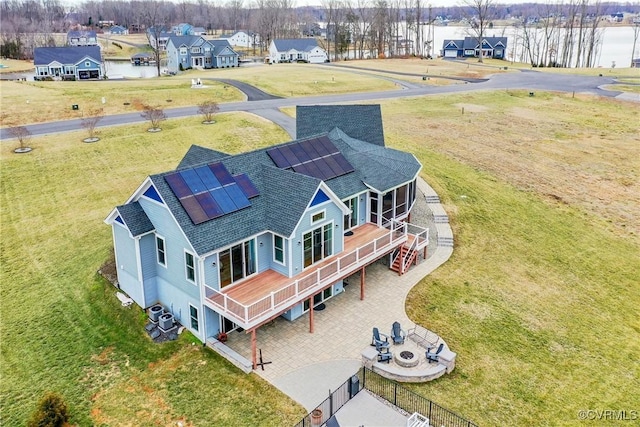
[
  {"x": 126, "y": 263},
  {"x": 174, "y": 250},
  {"x": 333, "y": 213},
  {"x": 177, "y": 302},
  {"x": 149, "y": 262},
  {"x": 211, "y": 322}
]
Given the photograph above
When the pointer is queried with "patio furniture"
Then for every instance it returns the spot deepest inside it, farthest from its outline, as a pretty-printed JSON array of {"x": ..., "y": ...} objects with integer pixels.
[
  {"x": 378, "y": 342},
  {"x": 384, "y": 357},
  {"x": 397, "y": 334},
  {"x": 433, "y": 357}
]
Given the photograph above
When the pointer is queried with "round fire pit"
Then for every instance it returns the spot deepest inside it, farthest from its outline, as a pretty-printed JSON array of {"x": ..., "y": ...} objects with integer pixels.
[{"x": 406, "y": 359}]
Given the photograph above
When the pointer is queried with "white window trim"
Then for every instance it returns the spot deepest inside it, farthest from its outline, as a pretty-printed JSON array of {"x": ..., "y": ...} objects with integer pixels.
[
  {"x": 191, "y": 318},
  {"x": 186, "y": 267},
  {"x": 324, "y": 217},
  {"x": 273, "y": 241},
  {"x": 164, "y": 241}
]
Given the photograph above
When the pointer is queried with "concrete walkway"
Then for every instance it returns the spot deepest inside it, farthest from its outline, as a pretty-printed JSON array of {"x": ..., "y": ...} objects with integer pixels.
[{"x": 306, "y": 366}]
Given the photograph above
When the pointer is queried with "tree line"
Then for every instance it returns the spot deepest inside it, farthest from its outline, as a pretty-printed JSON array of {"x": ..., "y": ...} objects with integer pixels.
[{"x": 565, "y": 33}]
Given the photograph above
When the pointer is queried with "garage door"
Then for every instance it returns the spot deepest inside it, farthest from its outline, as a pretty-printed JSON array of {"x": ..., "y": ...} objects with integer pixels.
[{"x": 450, "y": 53}]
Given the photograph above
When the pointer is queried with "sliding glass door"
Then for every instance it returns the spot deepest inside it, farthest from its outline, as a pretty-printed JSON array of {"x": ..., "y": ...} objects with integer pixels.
[{"x": 318, "y": 244}]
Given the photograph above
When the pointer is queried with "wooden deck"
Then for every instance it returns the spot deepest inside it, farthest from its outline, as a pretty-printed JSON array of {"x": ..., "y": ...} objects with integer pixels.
[
  {"x": 269, "y": 294},
  {"x": 263, "y": 284}
]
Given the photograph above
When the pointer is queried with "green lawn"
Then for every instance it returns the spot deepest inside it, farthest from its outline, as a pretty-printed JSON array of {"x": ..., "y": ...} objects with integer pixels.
[
  {"x": 62, "y": 327},
  {"x": 539, "y": 299}
]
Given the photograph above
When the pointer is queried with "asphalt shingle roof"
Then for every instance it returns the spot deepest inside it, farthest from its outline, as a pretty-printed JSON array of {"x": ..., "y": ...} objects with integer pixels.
[
  {"x": 283, "y": 194},
  {"x": 363, "y": 122},
  {"x": 65, "y": 55},
  {"x": 301, "y": 45},
  {"x": 135, "y": 218}
]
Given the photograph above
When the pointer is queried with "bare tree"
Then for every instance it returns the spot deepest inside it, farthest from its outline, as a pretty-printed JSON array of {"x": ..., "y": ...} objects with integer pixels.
[
  {"x": 482, "y": 12},
  {"x": 155, "y": 18},
  {"x": 208, "y": 109},
  {"x": 155, "y": 115},
  {"x": 23, "y": 136},
  {"x": 90, "y": 122}
]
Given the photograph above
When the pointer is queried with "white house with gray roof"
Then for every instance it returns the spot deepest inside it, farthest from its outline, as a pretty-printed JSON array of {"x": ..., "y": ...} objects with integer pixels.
[
  {"x": 296, "y": 50},
  {"x": 233, "y": 241}
]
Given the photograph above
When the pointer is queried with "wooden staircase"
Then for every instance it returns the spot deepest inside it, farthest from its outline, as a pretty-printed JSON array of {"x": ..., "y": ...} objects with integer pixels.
[{"x": 403, "y": 258}]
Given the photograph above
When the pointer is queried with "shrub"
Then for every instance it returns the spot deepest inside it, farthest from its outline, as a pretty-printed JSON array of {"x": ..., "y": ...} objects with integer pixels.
[{"x": 51, "y": 412}]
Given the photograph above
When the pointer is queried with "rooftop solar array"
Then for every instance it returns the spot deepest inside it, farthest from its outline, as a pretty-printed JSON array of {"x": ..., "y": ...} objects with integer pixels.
[
  {"x": 316, "y": 157},
  {"x": 210, "y": 191}
]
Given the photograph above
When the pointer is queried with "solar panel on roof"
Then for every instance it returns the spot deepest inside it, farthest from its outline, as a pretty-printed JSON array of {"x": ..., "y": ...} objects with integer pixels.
[
  {"x": 178, "y": 186},
  {"x": 208, "y": 178},
  {"x": 193, "y": 181},
  {"x": 246, "y": 185},
  {"x": 316, "y": 157},
  {"x": 278, "y": 158},
  {"x": 194, "y": 210},
  {"x": 237, "y": 196},
  {"x": 300, "y": 153},
  {"x": 207, "y": 192},
  {"x": 221, "y": 172},
  {"x": 209, "y": 205},
  {"x": 224, "y": 201}
]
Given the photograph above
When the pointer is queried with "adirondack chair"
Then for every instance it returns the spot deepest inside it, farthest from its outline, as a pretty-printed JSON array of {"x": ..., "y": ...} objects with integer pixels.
[
  {"x": 379, "y": 342},
  {"x": 433, "y": 357},
  {"x": 384, "y": 357},
  {"x": 397, "y": 334}
]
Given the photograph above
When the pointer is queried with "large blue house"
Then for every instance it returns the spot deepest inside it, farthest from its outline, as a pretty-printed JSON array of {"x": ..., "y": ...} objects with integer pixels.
[
  {"x": 68, "y": 63},
  {"x": 492, "y": 47},
  {"x": 185, "y": 52},
  {"x": 233, "y": 241}
]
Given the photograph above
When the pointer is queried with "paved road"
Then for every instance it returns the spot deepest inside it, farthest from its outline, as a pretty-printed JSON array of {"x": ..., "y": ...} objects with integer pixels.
[{"x": 527, "y": 80}]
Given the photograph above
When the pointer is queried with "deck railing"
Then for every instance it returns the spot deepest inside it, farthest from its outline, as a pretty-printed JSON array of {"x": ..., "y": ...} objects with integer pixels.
[{"x": 304, "y": 287}]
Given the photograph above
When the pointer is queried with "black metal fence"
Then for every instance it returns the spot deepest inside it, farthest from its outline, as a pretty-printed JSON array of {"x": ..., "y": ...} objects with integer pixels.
[
  {"x": 330, "y": 406},
  {"x": 409, "y": 401},
  {"x": 392, "y": 392}
]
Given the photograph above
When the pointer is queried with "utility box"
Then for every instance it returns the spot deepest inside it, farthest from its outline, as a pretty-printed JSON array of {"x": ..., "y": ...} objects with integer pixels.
[
  {"x": 354, "y": 386},
  {"x": 155, "y": 312},
  {"x": 165, "y": 322},
  {"x": 74, "y": 106}
]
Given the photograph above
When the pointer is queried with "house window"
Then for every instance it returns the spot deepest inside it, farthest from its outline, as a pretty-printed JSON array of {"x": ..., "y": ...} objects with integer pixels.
[
  {"x": 351, "y": 219},
  {"x": 237, "y": 262},
  {"x": 278, "y": 249},
  {"x": 283, "y": 57},
  {"x": 318, "y": 244},
  {"x": 193, "y": 314},
  {"x": 190, "y": 266},
  {"x": 195, "y": 50},
  {"x": 183, "y": 51},
  {"x": 317, "y": 217},
  {"x": 87, "y": 64},
  {"x": 373, "y": 207},
  {"x": 160, "y": 249}
]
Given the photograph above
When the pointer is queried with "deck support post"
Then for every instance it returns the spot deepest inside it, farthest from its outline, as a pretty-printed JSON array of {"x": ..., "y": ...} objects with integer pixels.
[
  {"x": 311, "y": 315},
  {"x": 362, "y": 284},
  {"x": 423, "y": 256},
  {"x": 253, "y": 349}
]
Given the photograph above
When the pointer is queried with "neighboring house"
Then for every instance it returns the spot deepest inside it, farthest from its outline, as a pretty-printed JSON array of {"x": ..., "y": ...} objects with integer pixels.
[
  {"x": 635, "y": 63},
  {"x": 296, "y": 50},
  {"x": 118, "y": 30},
  {"x": 492, "y": 47},
  {"x": 182, "y": 29},
  {"x": 233, "y": 241},
  {"x": 82, "y": 38},
  {"x": 198, "y": 31},
  {"x": 242, "y": 38},
  {"x": 143, "y": 58},
  {"x": 158, "y": 37},
  {"x": 184, "y": 52},
  {"x": 68, "y": 63}
]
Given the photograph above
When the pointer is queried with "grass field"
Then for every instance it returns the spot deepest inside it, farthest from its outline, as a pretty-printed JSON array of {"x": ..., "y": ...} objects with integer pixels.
[
  {"x": 62, "y": 327},
  {"x": 539, "y": 299}
]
